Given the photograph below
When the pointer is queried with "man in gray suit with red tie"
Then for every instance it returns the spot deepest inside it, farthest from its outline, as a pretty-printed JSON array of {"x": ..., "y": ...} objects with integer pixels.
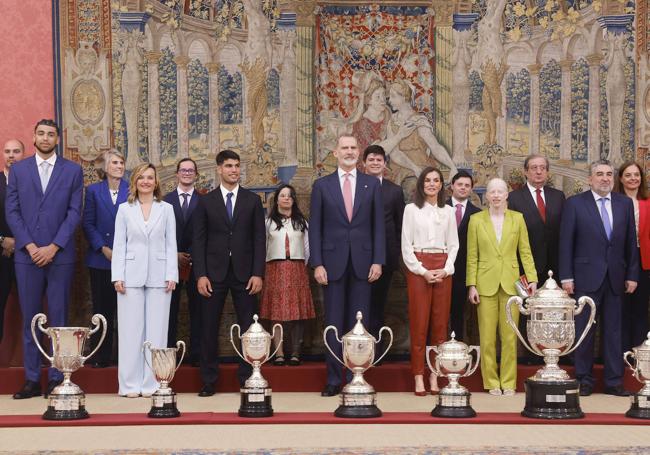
[{"x": 347, "y": 245}]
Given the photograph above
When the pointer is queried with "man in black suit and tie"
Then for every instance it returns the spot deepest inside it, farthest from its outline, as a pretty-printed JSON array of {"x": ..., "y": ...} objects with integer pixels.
[
  {"x": 461, "y": 189},
  {"x": 229, "y": 253},
  {"x": 541, "y": 207},
  {"x": 374, "y": 160},
  {"x": 184, "y": 199},
  {"x": 12, "y": 151}
]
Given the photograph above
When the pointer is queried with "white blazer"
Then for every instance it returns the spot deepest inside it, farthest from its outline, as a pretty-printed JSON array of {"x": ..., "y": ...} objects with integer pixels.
[{"x": 145, "y": 255}]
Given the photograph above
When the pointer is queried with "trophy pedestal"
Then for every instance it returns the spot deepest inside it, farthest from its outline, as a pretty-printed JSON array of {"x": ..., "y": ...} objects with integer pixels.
[
  {"x": 358, "y": 405},
  {"x": 640, "y": 408},
  {"x": 552, "y": 400},
  {"x": 66, "y": 407},
  {"x": 453, "y": 405},
  {"x": 163, "y": 406},
  {"x": 255, "y": 402}
]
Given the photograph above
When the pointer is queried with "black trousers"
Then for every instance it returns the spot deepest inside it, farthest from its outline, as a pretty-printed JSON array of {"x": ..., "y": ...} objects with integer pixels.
[
  {"x": 105, "y": 303},
  {"x": 378, "y": 298},
  {"x": 194, "y": 308},
  {"x": 7, "y": 280},
  {"x": 458, "y": 302},
  {"x": 635, "y": 313},
  {"x": 211, "y": 310}
]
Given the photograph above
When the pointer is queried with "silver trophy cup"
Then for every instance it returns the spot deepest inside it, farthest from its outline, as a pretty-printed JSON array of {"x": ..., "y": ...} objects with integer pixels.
[
  {"x": 640, "y": 406},
  {"x": 453, "y": 361},
  {"x": 164, "y": 367},
  {"x": 255, "y": 350},
  {"x": 551, "y": 393},
  {"x": 67, "y": 401},
  {"x": 358, "y": 398}
]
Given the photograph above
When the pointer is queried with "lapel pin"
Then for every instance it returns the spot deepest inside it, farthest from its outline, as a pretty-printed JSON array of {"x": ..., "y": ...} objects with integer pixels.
[{"x": 365, "y": 186}]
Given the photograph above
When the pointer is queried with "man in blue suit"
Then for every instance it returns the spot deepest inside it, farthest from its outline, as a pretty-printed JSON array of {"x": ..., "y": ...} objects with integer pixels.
[
  {"x": 184, "y": 199},
  {"x": 43, "y": 209},
  {"x": 347, "y": 245},
  {"x": 598, "y": 258}
]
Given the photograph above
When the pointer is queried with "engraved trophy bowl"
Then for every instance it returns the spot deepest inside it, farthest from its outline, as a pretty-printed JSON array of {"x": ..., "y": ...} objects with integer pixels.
[
  {"x": 67, "y": 400},
  {"x": 640, "y": 401},
  {"x": 255, "y": 350},
  {"x": 164, "y": 366},
  {"x": 550, "y": 392},
  {"x": 454, "y": 360},
  {"x": 358, "y": 346}
]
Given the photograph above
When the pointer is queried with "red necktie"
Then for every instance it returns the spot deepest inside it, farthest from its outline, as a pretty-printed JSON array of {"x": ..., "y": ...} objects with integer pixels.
[
  {"x": 459, "y": 214},
  {"x": 347, "y": 195},
  {"x": 540, "y": 205}
]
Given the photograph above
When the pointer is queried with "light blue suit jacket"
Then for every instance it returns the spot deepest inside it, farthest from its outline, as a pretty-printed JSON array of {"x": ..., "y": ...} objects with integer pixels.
[{"x": 145, "y": 255}]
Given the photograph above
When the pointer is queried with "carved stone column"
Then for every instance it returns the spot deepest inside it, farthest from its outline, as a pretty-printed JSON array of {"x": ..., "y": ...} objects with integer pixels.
[
  {"x": 565, "y": 112},
  {"x": 443, "y": 10},
  {"x": 304, "y": 50},
  {"x": 593, "y": 125},
  {"x": 153, "y": 106},
  {"x": 535, "y": 111},
  {"x": 182, "y": 112},
  {"x": 288, "y": 97},
  {"x": 213, "y": 110}
]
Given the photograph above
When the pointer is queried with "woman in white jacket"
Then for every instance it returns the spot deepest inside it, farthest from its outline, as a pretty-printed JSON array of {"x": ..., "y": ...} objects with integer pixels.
[{"x": 144, "y": 271}]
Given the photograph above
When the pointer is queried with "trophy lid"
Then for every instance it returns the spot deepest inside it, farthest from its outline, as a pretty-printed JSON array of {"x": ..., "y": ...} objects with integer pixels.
[
  {"x": 452, "y": 346},
  {"x": 255, "y": 329},
  {"x": 551, "y": 293},
  {"x": 358, "y": 330}
]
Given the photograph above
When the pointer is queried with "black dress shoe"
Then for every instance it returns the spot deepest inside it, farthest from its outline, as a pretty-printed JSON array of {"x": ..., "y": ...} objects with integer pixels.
[
  {"x": 616, "y": 390},
  {"x": 586, "y": 390},
  {"x": 330, "y": 390},
  {"x": 30, "y": 389},
  {"x": 207, "y": 390},
  {"x": 51, "y": 385}
]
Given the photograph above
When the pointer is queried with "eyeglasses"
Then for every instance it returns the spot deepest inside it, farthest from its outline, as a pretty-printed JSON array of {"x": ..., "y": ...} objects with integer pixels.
[{"x": 187, "y": 171}]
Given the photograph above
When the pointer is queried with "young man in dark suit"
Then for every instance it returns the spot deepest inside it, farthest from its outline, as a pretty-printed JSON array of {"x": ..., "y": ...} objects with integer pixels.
[
  {"x": 541, "y": 207},
  {"x": 184, "y": 200},
  {"x": 229, "y": 252},
  {"x": 461, "y": 190},
  {"x": 374, "y": 160}
]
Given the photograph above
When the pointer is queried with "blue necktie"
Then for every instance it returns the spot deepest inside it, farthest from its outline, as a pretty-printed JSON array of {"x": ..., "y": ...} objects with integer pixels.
[
  {"x": 605, "y": 216},
  {"x": 185, "y": 205},
  {"x": 229, "y": 205}
]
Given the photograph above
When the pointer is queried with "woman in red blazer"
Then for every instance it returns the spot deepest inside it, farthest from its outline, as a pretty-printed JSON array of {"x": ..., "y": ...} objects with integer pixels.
[{"x": 631, "y": 181}]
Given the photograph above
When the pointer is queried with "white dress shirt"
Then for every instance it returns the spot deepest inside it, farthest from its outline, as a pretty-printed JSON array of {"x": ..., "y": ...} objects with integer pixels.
[
  {"x": 425, "y": 228},
  {"x": 455, "y": 202},
  {"x": 353, "y": 180},
  {"x": 224, "y": 193},
  {"x": 190, "y": 192},
  {"x": 533, "y": 193},
  {"x": 608, "y": 206},
  {"x": 51, "y": 160}
]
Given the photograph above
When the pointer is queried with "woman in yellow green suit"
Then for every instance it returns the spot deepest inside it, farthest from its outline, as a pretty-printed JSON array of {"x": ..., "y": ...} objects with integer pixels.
[{"x": 494, "y": 238}]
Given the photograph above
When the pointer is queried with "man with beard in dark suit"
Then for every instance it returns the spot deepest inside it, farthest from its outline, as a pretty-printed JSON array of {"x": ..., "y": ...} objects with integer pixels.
[
  {"x": 374, "y": 160},
  {"x": 541, "y": 207},
  {"x": 461, "y": 189}
]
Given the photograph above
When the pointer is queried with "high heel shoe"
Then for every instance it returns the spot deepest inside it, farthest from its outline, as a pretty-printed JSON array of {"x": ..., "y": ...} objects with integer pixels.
[{"x": 421, "y": 393}]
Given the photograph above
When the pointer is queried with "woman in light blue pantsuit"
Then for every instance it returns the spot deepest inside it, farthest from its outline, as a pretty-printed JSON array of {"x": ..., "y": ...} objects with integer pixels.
[{"x": 144, "y": 270}]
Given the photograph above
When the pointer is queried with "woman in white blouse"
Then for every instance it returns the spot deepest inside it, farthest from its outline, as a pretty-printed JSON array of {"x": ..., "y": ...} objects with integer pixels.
[
  {"x": 429, "y": 248},
  {"x": 286, "y": 296}
]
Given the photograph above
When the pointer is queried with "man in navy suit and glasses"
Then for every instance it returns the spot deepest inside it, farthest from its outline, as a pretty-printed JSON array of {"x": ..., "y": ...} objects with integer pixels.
[
  {"x": 43, "y": 209},
  {"x": 598, "y": 258},
  {"x": 347, "y": 245},
  {"x": 184, "y": 199}
]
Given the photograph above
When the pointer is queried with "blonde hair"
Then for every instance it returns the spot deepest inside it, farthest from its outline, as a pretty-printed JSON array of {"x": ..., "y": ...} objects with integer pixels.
[
  {"x": 402, "y": 87},
  {"x": 135, "y": 175}
]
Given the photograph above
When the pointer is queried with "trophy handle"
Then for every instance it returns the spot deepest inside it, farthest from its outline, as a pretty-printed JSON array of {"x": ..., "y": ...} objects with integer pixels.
[
  {"x": 388, "y": 329},
  {"x": 635, "y": 372},
  {"x": 526, "y": 312},
  {"x": 180, "y": 343},
  {"x": 472, "y": 368},
  {"x": 97, "y": 320},
  {"x": 232, "y": 341},
  {"x": 146, "y": 345},
  {"x": 336, "y": 334},
  {"x": 40, "y": 319},
  {"x": 428, "y": 357},
  {"x": 279, "y": 326},
  {"x": 581, "y": 304}
]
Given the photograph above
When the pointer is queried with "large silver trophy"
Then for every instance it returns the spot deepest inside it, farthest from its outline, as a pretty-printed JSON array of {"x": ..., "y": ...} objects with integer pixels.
[
  {"x": 453, "y": 361},
  {"x": 640, "y": 408},
  {"x": 551, "y": 393},
  {"x": 67, "y": 401},
  {"x": 256, "y": 347},
  {"x": 358, "y": 398},
  {"x": 163, "y": 365}
]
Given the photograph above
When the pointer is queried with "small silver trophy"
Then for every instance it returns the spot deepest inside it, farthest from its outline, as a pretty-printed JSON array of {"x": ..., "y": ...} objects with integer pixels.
[
  {"x": 256, "y": 347},
  {"x": 164, "y": 367},
  {"x": 67, "y": 401},
  {"x": 640, "y": 407},
  {"x": 358, "y": 398},
  {"x": 551, "y": 393},
  {"x": 453, "y": 361}
]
